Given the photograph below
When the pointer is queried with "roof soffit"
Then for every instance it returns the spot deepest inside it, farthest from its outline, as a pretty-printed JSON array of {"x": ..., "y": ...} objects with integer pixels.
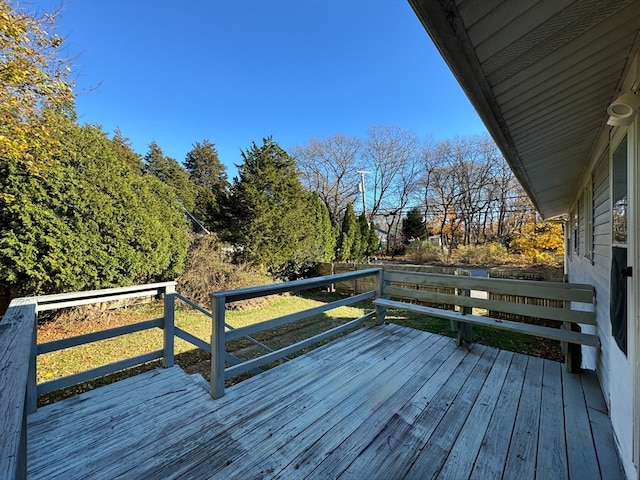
[{"x": 528, "y": 69}]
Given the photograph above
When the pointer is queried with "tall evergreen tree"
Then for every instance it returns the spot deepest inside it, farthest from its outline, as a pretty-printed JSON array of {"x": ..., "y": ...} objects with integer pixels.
[
  {"x": 205, "y": 168},
  {"x": 413, "y": 226},
  {"x": 156, "y": 164},
  {"x": 349, "y": 243},
  {"x": 324, "y": 240},
  {"x": 373, "y": 242},
  {"x": 364, "y": 236},
  {"x": 210, "y": 179},
  {"x": 329, "y": 230},
  {"x": 269, "y": 211},
  {"x": 171, "y": 173},
  {"x": 124, "y": 151}
]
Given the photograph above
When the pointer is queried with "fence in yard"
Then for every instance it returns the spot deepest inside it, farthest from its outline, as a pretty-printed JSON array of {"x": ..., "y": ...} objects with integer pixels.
[{"x": 528, "y": 275}]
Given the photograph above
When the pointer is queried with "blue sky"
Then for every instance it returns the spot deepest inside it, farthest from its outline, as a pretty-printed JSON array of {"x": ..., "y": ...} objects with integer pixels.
[{"x": 235, "y": 71}]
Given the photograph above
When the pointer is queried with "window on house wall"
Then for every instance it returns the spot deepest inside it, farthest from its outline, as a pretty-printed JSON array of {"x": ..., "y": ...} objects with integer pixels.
[
  {"x": 576, "y": 230},
  {"x": 619, "y": 207},
  {"x": 587, "y": 204},
  {"x": 619, "y": 195}
]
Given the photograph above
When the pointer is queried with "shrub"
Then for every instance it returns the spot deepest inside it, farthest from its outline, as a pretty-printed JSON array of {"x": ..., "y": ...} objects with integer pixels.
[
  {"x": 550, "y": 259},
  {"x": 87, "y": 219},
  {"x": 424, "y": 251},
  {"x": 208, "y": 271},
  {"x": 487, "y": 254}
]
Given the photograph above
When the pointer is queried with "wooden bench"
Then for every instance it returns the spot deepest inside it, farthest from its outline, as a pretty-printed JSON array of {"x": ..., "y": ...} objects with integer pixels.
[{"x": 567, "y": 304}]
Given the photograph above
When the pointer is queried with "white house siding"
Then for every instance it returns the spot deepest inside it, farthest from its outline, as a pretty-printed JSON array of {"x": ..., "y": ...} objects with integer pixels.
[
  {"x": 581, "y": 226},
  {"x": 612, "y": 366},
  {"x": 583, "y": 270}
]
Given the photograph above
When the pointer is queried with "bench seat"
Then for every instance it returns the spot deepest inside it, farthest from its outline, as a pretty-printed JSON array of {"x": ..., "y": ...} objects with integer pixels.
[{"x": 562, "y": 335}]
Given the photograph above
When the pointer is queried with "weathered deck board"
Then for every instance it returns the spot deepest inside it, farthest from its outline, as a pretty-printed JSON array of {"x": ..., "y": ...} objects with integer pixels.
[
  {"x": 600, "y": 426},
  {"x": 461, "y": 457},
  {"x": 521, "y": 459},
  {"x": 242, "y": 415},
  {"x": 402, "y": 450},
  {"x": 581, "y": 453},
  {"x": 384, "y": 402},
  {"x": 336, "y": 450},
  {"x": 495, "y": 444},
  {"x": 434, "y": 450},
  {"x": 295, "y": 413},
  {"x": 185, "y": 441},
  {"x": 552, "y": 448},
  {"x": 339, "y": 406}
]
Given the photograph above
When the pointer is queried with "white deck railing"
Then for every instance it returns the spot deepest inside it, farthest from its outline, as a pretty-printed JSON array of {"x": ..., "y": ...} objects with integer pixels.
[
  {"x": 220, "y": 336},
  {"x": 19, "y": 348}
]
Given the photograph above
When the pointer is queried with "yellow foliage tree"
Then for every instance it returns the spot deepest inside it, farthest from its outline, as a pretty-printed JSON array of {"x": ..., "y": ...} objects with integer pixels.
[
  {"x": 449, "y": 226},
  {"x": 539, "y": 239},
  {"x": 33, "y": 77}
]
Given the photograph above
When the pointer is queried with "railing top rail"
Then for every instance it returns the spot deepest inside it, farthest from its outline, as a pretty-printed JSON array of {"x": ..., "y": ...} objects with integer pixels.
[
  {"x": 273, "y": 289},
  {"x": 17, "y": 330},
  {"x": 95, "y": 296}
]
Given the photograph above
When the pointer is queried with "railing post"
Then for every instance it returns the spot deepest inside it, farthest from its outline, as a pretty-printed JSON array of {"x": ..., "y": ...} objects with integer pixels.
[
  {"x": 380, "y": 311},
  {"x": 169, "y": 325},
  {"x": 572, "y": 352},
  {"x": 218, "y": 302},
  {"x": 32, "y": 384},
  {"x": 464, "y": 329},
  {"x": 21, "y": 473}
]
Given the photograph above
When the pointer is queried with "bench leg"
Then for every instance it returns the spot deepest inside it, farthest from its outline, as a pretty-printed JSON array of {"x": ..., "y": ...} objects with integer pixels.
[
  {"x": 464, "y": 329},
  {"x": 464, "y": 333},
  {"x": 572, "y": 352},
  {"x": 380, "y": 314}
]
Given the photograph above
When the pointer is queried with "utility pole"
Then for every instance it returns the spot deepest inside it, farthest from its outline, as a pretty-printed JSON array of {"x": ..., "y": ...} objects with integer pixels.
[{"x": 361, "y": 189}]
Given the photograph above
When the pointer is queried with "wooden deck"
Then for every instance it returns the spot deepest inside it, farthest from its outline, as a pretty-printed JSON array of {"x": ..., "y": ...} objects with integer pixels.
[{"x": 384, "y": 402}]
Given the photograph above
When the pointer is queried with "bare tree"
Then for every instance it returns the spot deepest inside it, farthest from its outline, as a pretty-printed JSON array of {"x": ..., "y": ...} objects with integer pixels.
[
  {"x": 444, "y": 197},
  {"x": 328, "y": 166},
  {"x": 466, "y": 185},
  {"x": 474, "y": 163},
  {"x": 393, "y": 157},
  {"x": 504, "y": 187}
]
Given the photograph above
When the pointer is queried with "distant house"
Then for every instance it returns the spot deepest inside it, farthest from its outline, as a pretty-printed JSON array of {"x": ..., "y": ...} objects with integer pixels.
[
  {"x": 382, "y": 238},
  {"x": 435, "y": 240},
  {"x": 556, "y": 84}
]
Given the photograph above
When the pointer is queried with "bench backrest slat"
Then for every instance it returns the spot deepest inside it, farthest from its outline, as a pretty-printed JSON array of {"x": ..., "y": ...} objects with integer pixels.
[
  {"x": 562, "y": 302},
  {"x": 524, "y": 309},
  {"x": 529, "y": 288}
]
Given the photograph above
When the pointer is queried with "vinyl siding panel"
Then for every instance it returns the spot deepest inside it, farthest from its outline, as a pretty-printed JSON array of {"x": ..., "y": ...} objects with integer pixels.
[{"x": 582, "y": 270}]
